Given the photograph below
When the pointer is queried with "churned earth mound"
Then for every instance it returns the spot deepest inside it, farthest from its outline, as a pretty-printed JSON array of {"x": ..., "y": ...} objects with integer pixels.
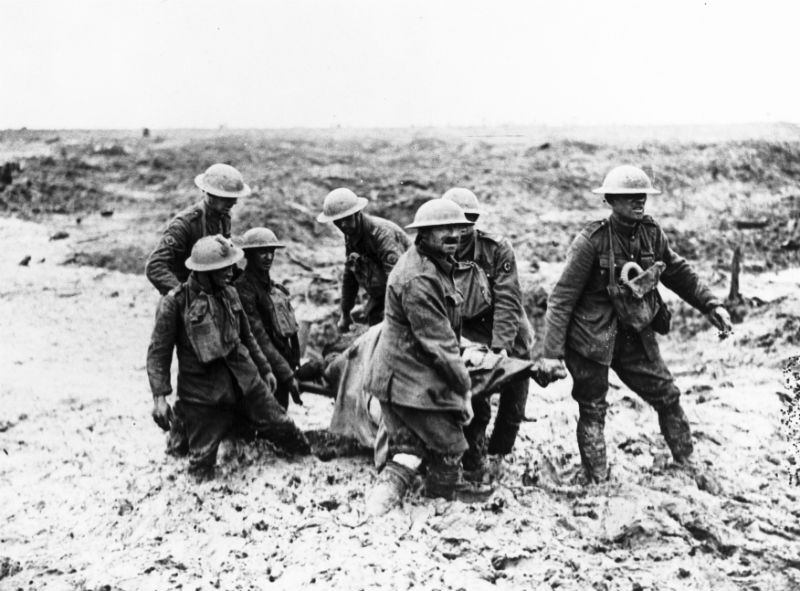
[{"x": 90, "y": 500}]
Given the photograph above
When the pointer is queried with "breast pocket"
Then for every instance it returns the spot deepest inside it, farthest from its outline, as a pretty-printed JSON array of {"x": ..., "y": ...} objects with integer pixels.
[{"x": 601, "y": 279}]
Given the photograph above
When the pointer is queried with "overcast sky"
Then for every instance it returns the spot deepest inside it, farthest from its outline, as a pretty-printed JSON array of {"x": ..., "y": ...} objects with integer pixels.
[{"x": 195, "y": 63}]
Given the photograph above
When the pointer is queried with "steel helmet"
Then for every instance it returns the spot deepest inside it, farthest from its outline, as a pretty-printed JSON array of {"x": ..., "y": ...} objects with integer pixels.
[
  {"x": 339, "y": 204},
  {"x": 626, "y": 180},
  {"x": 439, "y": 212},
  {"x": 464, "y": 198},
  {"x": 213, "y": 252},
  {"x": 222, "y": 180},
  {"x": 260, "y": 238}
]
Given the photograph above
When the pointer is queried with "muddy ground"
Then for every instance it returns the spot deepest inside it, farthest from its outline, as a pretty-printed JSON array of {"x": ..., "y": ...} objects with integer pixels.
[{"x": 90, "y": 501}]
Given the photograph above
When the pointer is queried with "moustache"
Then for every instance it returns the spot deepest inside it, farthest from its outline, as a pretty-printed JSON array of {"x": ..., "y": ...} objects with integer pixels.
[{"x": 450, "y": 240}]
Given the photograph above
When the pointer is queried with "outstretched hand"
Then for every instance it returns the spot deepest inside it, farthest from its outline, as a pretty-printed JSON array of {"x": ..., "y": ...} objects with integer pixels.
[{"x": 720, "y": 318}]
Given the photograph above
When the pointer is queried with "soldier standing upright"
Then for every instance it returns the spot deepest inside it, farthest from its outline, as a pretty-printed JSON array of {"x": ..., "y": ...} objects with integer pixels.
[
  {"x": 417, "y": 372},
  {"x": 222, "y": 185},
  {"x": 590, "y": 329},
  {"x": 224, "y": 381},
  {"x": 492, "y": 315},
  {"x": 269, "y": 310},
  {"x": 372, "y": 247}
]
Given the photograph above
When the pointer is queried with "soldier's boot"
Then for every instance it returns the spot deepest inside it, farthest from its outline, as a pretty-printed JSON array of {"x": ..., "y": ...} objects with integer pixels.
[
  {"x": 678, "y": 435},
  {"x": 288, "y": 437},
  {"x": 675, "y": 428},
  {"x": 474, "y": 459},
  {"x": 202, "y": 473},
  {"x": 445, "y": 479},
  {"x": 592, "y": 445},
  {"x": 392, "y": 485},
  {"x": 178, "y": 440}
]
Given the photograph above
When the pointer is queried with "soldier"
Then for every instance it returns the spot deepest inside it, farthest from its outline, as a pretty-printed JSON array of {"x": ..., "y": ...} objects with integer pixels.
[
  {"x": 417, "y": 373},
  {"x": 222, "y": 185},
  {"x": 492, "y": 315},
  {"x": 224, "y": 381},
  {"x": 372, "y": 247},
  {"x": 585, "y": 330},
  {"x": 269, "y": 310}
]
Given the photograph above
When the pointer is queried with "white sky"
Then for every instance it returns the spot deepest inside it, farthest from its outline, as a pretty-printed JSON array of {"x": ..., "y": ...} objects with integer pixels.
[{"x": 365, "y": 63}]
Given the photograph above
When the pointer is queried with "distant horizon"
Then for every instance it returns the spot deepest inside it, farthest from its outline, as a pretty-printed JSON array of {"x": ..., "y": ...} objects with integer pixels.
[
  {"x": 764, "y": 123},
  {"x": 781, "y": 131}
]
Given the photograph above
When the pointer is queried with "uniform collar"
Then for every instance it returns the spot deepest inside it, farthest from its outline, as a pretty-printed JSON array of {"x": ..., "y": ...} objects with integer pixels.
[
  {"x": 258, "y": 275},
  {"x": 212, "y": 214},
  {"x": 443, "y": 262},
  {"x": 466, "y": 251},
  {"x": 196, "y": 286},
  {"x": 624, "y": 227}
]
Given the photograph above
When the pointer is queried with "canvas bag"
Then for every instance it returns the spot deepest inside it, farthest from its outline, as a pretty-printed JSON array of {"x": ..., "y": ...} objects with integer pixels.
[
  {"x": 208, "y": 342},
  {"x": 637, "y": 301}
]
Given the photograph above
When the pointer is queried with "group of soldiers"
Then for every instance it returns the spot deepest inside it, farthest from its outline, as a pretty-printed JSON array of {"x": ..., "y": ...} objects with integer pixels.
[{"x": 237, "y": 338}]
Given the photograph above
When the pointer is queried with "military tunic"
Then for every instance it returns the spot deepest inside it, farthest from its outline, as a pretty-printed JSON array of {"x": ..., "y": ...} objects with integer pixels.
[
  {"x": 370, "y": 257},
  {"x": 272, "y": 320},
  {"x": 504, "y": 325},
  {"x": 417, "y": 373},
  {"x": 580, "y": 314},
  {"x": 165, "y": 267}
]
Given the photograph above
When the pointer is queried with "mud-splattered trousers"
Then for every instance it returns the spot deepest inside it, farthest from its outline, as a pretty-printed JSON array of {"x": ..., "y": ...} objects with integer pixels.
[
  {"x": 648, "y": 377},
  {"x": 583, "y": 329},
  {"x": 503, "y": 325}
]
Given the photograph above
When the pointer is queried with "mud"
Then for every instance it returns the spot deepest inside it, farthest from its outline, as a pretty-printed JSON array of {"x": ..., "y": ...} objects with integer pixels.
[{"x": 90, "y": 500}]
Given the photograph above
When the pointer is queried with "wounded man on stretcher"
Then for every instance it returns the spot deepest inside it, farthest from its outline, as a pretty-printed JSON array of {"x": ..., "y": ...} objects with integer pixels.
[{"x": 356, "y": 425}]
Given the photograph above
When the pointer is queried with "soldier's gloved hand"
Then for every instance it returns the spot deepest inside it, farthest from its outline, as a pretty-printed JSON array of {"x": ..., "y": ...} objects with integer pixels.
[
  {"x": 162, "y": 412},
  {"x": 294, "y": 390},
  {"x": 720, "y": 318},
  {"x": 553, "y": 368},
  {"x": 344, "y": 322},
  {"x": 271, "y": 382},
  {"x": 467, "y": 414}
]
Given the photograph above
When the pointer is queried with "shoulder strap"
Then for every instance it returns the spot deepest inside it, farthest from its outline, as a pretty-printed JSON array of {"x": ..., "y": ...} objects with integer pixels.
[
  {"x": 646, "y": 239},
  {"x": 612, "y": 282}
]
